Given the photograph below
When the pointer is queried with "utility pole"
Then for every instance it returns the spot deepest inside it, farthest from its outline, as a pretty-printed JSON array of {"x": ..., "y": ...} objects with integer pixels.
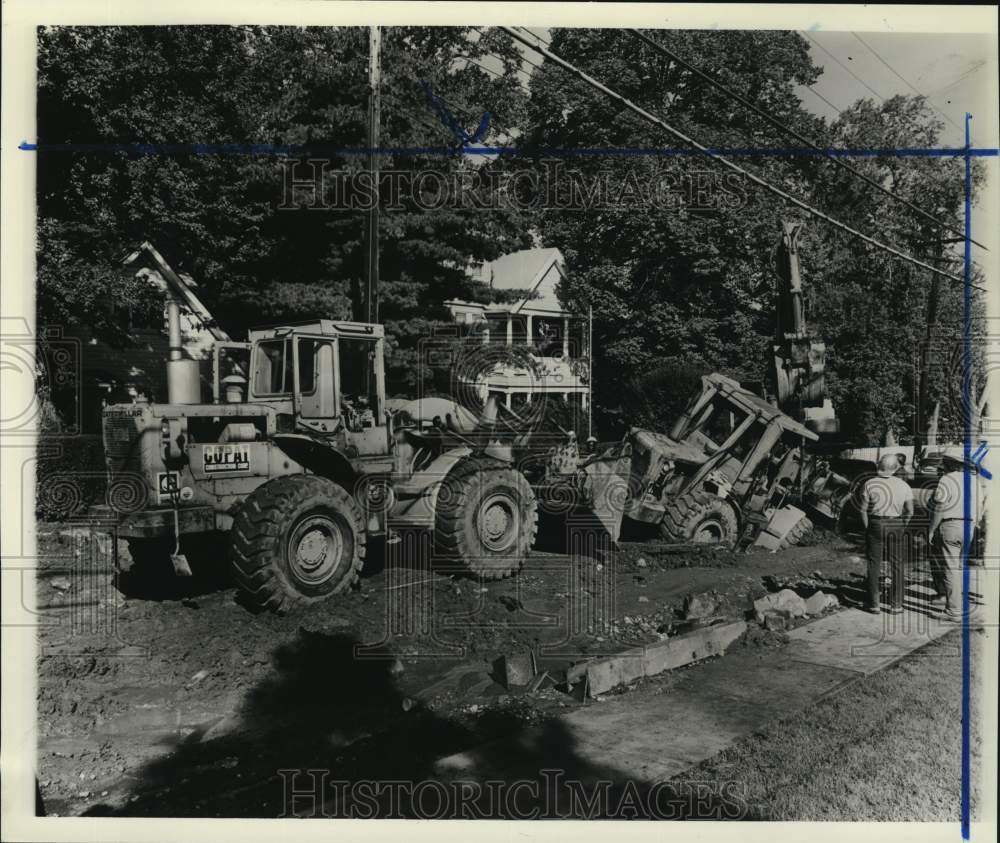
[
  {"x": 924, "y": 411},
  {"x": 923, "y": 414},
  {"x": 369, "y": 306}
]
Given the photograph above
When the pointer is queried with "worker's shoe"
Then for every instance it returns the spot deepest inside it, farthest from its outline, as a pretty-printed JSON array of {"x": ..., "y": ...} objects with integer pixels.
[{"x": 873, "y": 610}]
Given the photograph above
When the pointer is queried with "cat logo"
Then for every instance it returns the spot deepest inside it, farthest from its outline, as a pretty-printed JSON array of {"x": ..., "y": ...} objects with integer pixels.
[
  {"x": 219, "y": 459},
  {"x": 167, "y": 485}
]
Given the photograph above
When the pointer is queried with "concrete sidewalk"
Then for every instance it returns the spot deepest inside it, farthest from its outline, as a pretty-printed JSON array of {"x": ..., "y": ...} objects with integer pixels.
[{"x": 654, "y": 738}]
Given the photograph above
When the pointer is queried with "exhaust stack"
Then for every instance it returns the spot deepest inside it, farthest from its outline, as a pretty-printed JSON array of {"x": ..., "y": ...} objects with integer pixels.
[{"x": 183, "y": 376}]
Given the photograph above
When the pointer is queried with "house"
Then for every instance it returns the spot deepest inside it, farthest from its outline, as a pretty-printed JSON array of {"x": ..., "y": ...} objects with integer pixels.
[{"x": 554, "y": 340}]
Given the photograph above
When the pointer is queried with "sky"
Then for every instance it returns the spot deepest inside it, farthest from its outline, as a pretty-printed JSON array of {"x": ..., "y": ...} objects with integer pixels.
[{"x": 957, "y": 73}]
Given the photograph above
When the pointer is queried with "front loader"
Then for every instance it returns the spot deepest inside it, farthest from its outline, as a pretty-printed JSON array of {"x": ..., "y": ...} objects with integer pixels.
[
  {"x": 722, "y": 475},
  {"x": 302, "y": 464}
]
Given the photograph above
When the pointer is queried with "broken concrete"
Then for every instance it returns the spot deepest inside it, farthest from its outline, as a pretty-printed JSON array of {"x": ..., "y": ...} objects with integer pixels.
[
  {"x": 820, "y": 602},
  {"x": 785, "y": 602},
  {"x": 601, "y": 675},
  {"x": 700, "y": 606},
  {"x": 657, "y": 737},
  {"x": 775, "y": 622},
  {"x": 514, "y": 671}
]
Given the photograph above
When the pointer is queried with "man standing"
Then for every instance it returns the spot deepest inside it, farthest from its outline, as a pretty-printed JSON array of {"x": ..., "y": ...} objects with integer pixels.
[
  {"x": 886, "y": 508},
  {"x": 948, "y": 524}
]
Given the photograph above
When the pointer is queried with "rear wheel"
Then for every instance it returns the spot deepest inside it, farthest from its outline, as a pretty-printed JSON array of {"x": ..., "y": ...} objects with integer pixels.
[
  {"x": 297, "y": 540},
  {"x": 486, "y": 518},
  {"x": 699, "y": 517}
]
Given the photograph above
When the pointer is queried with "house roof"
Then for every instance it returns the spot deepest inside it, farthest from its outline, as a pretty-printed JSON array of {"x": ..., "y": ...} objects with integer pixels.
[
  {"x": 180, "y": 286},
  {"x": 522, "y": 270}
]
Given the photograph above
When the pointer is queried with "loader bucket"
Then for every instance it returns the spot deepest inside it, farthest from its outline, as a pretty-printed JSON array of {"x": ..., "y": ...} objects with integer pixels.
[{"x": 606, "y": 486}]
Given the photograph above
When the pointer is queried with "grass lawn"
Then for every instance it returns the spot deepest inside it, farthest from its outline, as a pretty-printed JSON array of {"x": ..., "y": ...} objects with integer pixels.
[{"x": 887, "y": 747}]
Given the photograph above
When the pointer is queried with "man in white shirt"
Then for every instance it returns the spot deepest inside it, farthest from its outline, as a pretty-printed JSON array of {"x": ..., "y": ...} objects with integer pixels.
[
  {"x": 948, "y": 526},
  {"x": 886, "y": 508}
]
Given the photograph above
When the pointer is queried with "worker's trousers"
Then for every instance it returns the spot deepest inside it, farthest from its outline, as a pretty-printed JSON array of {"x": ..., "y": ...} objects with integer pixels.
[
  {"x": 886, "y": 542},
  {"x": 949, "y": 577}
]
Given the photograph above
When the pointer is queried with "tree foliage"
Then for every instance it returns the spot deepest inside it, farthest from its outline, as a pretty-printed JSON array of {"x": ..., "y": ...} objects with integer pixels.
[
  {"x": 217, "y": 213},
  {"x": 694, "y": 284},
  {"x": 675, "y": 257}
]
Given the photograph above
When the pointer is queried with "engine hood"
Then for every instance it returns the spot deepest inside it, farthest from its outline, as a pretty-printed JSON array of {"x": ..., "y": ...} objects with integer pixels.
[{"x": 663, "y": 446}]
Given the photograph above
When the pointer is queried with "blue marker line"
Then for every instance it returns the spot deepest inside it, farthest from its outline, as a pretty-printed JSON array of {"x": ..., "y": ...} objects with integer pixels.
[
  {"x": 967, "y": 491},
  {"x": 977, "y": 460},
  {"x": 464, "y": 137},
  {"x": 448, "y": 119}
]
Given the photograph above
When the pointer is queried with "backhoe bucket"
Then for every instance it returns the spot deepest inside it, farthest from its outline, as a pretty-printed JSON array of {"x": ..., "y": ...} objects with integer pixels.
[{"x": 606, "y": 487}]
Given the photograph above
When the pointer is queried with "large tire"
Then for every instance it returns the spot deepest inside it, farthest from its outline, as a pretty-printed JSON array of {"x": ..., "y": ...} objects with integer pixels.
[
  {"x": 297, "y": 540},
  {"x": 700, "y": 517},
  {"x": 801, "y": 529},
  {"x": 486, "y": 518}
]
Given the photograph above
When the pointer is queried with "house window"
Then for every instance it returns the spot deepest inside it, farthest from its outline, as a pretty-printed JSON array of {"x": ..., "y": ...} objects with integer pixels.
[{"x": 547, "y": 336}]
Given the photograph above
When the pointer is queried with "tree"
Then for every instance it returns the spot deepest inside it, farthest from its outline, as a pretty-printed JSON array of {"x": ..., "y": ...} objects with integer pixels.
[
  {"x": 676, "y": 260},
  {"x": 684, "y": 283},
  {"x": 223, "y": 213},
  {"x": 871, "y": 307}
]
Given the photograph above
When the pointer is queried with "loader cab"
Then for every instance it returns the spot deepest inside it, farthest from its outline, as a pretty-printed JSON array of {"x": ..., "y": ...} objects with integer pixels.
[
  {"x": 713, "y": 421},
  {"x": 332, "y": 375}
]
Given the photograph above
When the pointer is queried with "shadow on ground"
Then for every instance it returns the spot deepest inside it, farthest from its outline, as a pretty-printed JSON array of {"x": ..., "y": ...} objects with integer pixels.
[{"x": 370, "y": 752}]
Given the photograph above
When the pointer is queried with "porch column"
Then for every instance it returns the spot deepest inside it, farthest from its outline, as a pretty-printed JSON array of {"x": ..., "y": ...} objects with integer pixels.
[
  {"x": 565, "y": 338},
  {"x": 510, "y": 332},
  {"x": 530, "y": 336}
]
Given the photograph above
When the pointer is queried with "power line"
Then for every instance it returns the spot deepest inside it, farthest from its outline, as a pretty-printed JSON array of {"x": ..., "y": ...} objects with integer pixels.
[
  {"x": 878, "y": 96},
  {"x": 782, "y": 127},
  {"x": 666, "y": 51},
  {"x": 818, "y": 94},
  {"x": 899, "y": 76},
  {"x": 725, "y": 161},
  {"x": 540, "y": 67}
]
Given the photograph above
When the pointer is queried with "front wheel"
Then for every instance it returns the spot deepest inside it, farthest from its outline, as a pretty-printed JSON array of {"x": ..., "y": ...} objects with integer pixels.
[
  {"x": 486, "y": 518},
  {"x": 699, "y": 517},
  {"x": 297, "y": 540}
]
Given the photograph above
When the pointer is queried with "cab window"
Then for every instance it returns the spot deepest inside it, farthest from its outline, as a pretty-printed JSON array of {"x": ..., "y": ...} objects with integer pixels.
[
  {"x": 358, "y": 384},
  {"x": 274, "y": 368}
]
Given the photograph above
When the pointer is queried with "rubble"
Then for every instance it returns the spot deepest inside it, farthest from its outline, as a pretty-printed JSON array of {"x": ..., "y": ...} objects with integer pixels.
[
  {"x": 774, "y": 610},
  {"x": 785, "y": 602},
  {"x": 820, "y": 602},
  {"x": 600, "y": 675},
  {"x": 514, "y": 671},
  {"x": 775, "y": 622},
  {"x": 699, "y": 606}
]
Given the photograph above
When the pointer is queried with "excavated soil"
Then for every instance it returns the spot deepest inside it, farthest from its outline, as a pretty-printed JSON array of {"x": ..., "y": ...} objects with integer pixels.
[{"x": 160, "y": 696}]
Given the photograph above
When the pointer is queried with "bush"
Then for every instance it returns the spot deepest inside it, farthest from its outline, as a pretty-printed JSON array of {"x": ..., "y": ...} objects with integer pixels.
[{"x": 70, "y": 473}]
